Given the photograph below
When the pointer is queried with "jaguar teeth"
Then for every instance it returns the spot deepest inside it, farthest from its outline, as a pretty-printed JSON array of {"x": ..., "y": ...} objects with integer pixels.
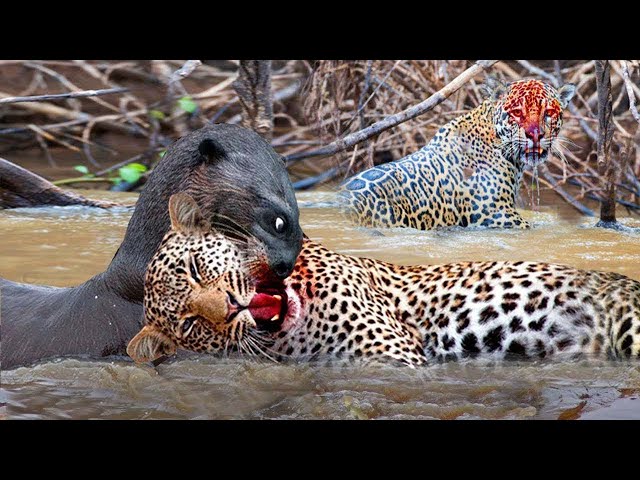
[
  {"x": 274, "y": 318},
  {"x": 277, "y": 297}
]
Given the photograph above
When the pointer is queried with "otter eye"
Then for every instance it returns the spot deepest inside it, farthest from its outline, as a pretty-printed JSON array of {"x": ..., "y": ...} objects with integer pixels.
[
  {"x": 279, "y": 225},
  {"x": 187, "y": 324}
]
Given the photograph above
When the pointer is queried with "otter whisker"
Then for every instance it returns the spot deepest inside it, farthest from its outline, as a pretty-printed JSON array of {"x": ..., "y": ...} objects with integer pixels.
[
  {"x": 230, "y": 233},
  {"x": 235, "y": 224}
]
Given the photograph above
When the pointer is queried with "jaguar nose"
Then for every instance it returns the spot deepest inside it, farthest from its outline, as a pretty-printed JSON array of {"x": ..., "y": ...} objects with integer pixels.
[{"x": 534, "y": 134}]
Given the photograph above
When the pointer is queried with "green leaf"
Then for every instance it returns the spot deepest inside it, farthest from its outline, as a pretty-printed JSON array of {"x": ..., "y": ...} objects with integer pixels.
[
  {"x": 162, "y": 153},
  {"x": 187, "y": 104},
  {"x": 130, "y": 174},
  {"x": 116, "y": 180},
  {"x": 137, "y": 167},
  {"x": 82, "y": 169},
  {"x": 157, "y": 114}
]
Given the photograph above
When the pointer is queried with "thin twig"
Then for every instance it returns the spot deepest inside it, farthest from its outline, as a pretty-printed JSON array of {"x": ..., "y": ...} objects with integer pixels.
[
  {"x": 630, "y": 92},
  {"x": 184, "y": 71},
  {"x": 393, "y": 120},
  {"x": 566, "y": 195},
  {"x": 538, "y": 71}
]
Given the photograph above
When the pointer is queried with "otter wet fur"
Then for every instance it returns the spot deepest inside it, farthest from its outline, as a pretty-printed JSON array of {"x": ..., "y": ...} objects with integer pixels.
[
  {"x": 470, "y": 172},
  {"x": 205, "y": 292},
  {"x": 231, "y": 172}
]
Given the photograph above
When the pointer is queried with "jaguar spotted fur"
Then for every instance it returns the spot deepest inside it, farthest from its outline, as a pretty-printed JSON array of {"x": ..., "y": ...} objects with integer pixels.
[
  {"x": 470, "y": 172},
  {"x": 206, "y": 292}
]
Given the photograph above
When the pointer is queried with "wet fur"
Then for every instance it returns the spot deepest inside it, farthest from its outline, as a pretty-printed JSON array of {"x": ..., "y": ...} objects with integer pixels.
[
  {"x": 99, "y": 317},
  {"x": 363, "y": 309}
]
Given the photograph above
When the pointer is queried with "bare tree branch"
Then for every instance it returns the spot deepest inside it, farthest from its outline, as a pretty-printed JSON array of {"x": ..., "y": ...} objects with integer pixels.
[
  {"x": 630, "y": 92},
  {"x": 253, "y": 87},
  {"x": 59, "y": 96},
  {"x": 184, "y": 71},
  {"x": 541, "y": 73},
  {"x": 605, "y": 135},
  {"x": 398, "y": 118},
  {"x": 285, "y": 93}
]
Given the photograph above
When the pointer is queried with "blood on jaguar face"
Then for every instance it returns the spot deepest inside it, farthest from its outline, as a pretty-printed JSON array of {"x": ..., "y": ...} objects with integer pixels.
[{"x": 529, "y": 117}]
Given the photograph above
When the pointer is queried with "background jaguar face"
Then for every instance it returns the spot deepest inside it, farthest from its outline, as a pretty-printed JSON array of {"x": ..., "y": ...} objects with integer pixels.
[{"x": 528, "y": 117}]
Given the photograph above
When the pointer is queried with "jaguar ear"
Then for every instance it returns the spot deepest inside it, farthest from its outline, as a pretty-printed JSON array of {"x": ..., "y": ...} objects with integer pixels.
[
  {"x": 150, "y": 344},
  {"x": 186, "y": 216},
  {"x": 210, "y": 150},
  {"x": 566, "y": 93},
  {"x": 493, "y": 87}
]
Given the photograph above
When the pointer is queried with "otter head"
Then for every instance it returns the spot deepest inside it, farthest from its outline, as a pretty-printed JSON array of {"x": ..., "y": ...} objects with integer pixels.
[
  {"x": 528, "y": 117},
  {"x": 202, "y": 290},
  {"x": 242, "y": 180},
  {"x": 236, "y": 178}
]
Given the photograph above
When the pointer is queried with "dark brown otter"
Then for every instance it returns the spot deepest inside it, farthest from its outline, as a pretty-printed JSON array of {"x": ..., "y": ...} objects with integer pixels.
[{"x": 231, "y": 172}]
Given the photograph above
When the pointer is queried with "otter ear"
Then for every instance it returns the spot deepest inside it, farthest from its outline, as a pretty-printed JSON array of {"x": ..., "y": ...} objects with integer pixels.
[
  {"x": 566, "y": 93},
  {"x": 185, "y": 215},
  {"x": 493, "y": 87},
  {"x": 150, "y": 344},
  {"x": 210, "y": 150}
]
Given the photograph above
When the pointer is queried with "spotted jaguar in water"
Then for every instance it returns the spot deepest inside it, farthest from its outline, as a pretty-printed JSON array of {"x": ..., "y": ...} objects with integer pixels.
[
  {"x": 207, "y": 292},
  {"x": 470, "y": 172}
]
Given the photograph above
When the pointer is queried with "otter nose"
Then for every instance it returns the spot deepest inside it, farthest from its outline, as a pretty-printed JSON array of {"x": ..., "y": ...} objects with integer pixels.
[{"x": 282, "y": 269}]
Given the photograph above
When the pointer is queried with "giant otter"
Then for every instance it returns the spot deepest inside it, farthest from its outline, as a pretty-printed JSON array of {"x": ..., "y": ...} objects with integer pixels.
[{"x": 235, "y": 177}]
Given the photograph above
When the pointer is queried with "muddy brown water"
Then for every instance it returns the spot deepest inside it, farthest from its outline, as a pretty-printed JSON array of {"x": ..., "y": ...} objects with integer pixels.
[{"x": 65, "y": 246}]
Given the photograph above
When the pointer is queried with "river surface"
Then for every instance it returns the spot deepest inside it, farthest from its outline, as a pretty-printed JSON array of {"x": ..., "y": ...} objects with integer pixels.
[{"x": 66, "y": 246}]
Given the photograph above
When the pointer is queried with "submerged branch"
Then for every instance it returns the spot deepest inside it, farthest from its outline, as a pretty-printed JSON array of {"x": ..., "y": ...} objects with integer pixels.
[{"x": 21, "y": 188}]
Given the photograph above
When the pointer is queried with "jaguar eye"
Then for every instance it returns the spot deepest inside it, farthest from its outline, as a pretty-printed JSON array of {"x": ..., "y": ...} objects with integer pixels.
[
  {"x": 279, "y": 225},
  {"x": 232, "y": 300},
  {"x": 187, "y": 324}
]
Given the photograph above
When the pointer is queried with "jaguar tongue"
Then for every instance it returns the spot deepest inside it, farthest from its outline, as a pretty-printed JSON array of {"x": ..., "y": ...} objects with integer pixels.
[{"x": 264, "y": 307}]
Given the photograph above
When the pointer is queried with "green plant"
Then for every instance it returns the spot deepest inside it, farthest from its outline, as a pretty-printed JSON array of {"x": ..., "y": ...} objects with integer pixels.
[
  {"x": 157, "y": 114},
  {"x": 131, "y": 173},
  {"x": 187, "y": 104}
]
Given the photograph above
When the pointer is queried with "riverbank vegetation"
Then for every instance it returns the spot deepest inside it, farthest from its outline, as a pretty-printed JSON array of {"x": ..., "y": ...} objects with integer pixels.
[{"x": 105, "y": 124}]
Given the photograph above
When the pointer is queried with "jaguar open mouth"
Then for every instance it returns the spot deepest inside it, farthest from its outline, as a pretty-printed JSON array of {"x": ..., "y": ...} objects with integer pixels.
[{"x": 268, "y": 307}]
